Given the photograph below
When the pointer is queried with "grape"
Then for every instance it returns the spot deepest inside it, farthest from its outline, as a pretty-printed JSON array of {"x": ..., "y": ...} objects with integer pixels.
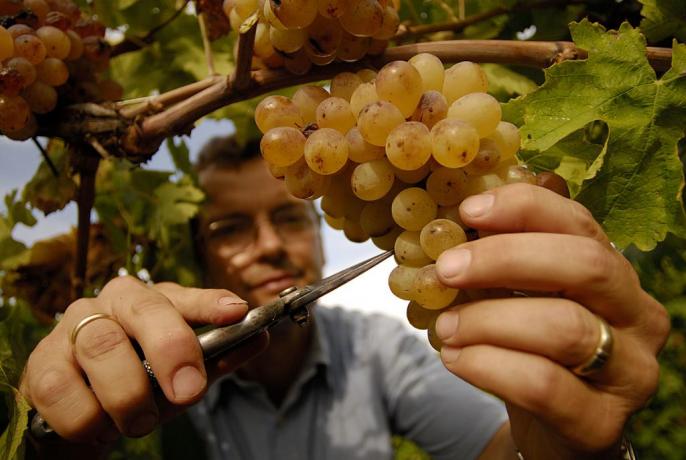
[
  {"x": 14, "y": 113},
  {"x": 409, "y": 252},
  {"x": 42, "y": 98},
  {"x": 480, "y": 184},
  {"x": 110, "y": 90},
  {"x": 481, "y": 110},
  {"x": 294, "y": 14},
  {"x": 408, "y": 146},
  {"x": 413, "y": 176},
  {"x": 431, "y": 70},
  {"x": 455, "y": 143},
  {"x": 332, "y": 8},
  {"x": 288, "y": 40},
  {"x": 10, "y": 7},
  {"x": 227, "y": 6},
  {"x": 451, "y": 213},
  {"x": 307, "y": 99},
  {"x": 432, "y": 337},
  {"x": 334, "y": 112},
  {"x": 278, "y": 172},
  {"x": 363, "y": 95},
  {"x": 376, "y": 218},
  {"x": 334, "y": 222},
  {"x": 367, "y": 75},
  {"x": 57, "y": 43},
  {"x": 344, "y": 84},
  {"x": 363, "y": 18},
  {"x": 386, "y": 242},
  {"x": 390, "y": 24},
  {"x": 316, "y": 57},
  {"x": 30, "y": 47},
  {"x": 10, "y": 81},
  {"x": 352, "y": 207},
  {"x": 270, "y": 17},
  {"x": 431, "y": 109},
  {"x": 439, "y": 235},
  {"x": 282, "y": 146},
  {"x": 297, "y": 63},
  {"x": 76, "y": 46},
  {"x": 28, "y": 131},
  {"x": 486, "y": 160},
  {"x": 446, "y": 186},
  {"x": 400, "y": 84},
  {"x": 429, "y": 292},
  {"x": 235, "y": 20},
  {"x": 519, "y": 174},
  {"x": 52, "y": 71},
  {"x": 20, "y": 29},
  {"x": 377, "y": 47},
  {"x": 506, "y": 136},
  {"x": 66, "y": 7},
  {"x": 97, "y": 50},
  {"x": 360, "y": 150},
  {"x": 324, "y": 36},
  {"x": 372, "y": 180},
  {"x": 464, "y": 78},
  {"x": 377, "y": 120},
  {"x": 420, "y": 317},
  {"x": 413, "y": 208},
  {"x": 6, "y": 44},
  {"x": 553, "y": 182},
  {"x": 334, "y": 199},
  {"x": 354, "y": 231},
  {"x": 245, "y": 8},
  {"x": 326, "y": 151},
  {"x": 274, "y": 111},
  {"x": 263, "y": 45},
  {"x": 401, "y": 281},
  {"x": 352, "y": 48},
  {"x": 304, "y": 183}
]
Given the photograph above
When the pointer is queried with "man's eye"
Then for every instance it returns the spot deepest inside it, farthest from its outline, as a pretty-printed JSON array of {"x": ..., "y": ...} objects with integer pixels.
[{"x": 219, "y": 229}]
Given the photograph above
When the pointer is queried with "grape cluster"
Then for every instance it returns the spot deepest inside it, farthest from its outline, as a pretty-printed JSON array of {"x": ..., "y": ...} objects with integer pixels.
[
  {"x": 49, "y": 51},
  {"x": 392, "y": 155},
  {"x": 298, "y": 33}
]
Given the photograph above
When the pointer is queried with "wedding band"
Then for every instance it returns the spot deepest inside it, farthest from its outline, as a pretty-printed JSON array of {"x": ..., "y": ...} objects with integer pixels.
[
  {"x": 601, "y": 354},
  {"x": 86, "y": 320}
]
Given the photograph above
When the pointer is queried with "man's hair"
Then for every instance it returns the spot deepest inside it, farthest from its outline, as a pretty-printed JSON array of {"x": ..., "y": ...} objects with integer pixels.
[{"x": 226, "y": 152}]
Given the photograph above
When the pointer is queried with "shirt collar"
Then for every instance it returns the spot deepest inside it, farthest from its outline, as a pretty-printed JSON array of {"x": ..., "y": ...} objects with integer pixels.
[{"x": 319, "y": 356}]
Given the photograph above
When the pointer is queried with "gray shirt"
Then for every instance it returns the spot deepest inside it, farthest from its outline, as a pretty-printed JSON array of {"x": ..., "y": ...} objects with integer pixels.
[{"x": 366, "y": 378}]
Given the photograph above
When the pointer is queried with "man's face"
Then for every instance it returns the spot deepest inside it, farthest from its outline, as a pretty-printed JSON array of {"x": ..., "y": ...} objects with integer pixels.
[{"x": 258, "y": 240}]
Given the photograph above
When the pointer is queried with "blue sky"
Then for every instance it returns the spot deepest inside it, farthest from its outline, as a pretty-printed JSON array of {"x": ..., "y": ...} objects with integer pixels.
[{"x": 18, "y": 161}]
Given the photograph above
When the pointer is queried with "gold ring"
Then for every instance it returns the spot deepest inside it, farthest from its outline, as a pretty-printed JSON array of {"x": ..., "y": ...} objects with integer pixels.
[
  {"x": 86, "y": 320},
  {"x": 601, "y": 354}
]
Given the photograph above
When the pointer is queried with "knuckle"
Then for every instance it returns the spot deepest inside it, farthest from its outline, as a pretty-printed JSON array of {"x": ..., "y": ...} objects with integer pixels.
[
  {"x": 600, "y": 265},
  {"x": 120, "y": 284},
  {"x": 177, "y": 341},
  {"x": 100, "y": 340},
  {"x": 578, "y": 334},
  {"x": 80, "y": 308},
  {"x": 543, "y": 388},
  {"x": 48, "y": 387},
  {"x": 585, "y": 220},
  {"x": 147, "y": 306}
]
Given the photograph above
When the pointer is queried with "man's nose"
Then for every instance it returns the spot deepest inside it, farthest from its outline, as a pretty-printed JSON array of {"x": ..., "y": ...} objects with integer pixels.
[{"x": 268, "y": 241}]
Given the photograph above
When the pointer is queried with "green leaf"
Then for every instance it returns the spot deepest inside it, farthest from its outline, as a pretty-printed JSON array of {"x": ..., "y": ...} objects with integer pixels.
[
  {"x": 180, "y": 155},
  {"x": 13, "y": 436},
  {"x": 664, "y": 19},
  {"x": 505, "y": 84},
  {"x": 636, "y": 191},
  {"x": 177, "y": 203},
  {"x": 17, "y": 212},
  {"x": 45, "y": 191}
]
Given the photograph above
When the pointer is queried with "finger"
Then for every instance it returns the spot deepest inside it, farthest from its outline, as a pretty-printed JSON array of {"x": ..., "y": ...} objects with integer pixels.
[
  {"x": 232, "y": 360},
  {"x": 114, "y": 371},
  {"x": 169, "y": 344},
  {"x": 528, "y": 208},
  {"x": 204, "y": 306},
  {"x": 589, "y": 418},
  {"x": 55, "y": 387},
  {"x": 578, "y": 268}
]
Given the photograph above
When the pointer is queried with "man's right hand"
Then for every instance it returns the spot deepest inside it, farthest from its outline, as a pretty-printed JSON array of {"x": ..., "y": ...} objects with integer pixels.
[{"x": 97, "y": 389}]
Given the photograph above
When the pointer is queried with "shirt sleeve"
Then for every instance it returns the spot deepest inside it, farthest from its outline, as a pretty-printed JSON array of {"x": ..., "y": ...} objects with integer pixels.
[{"x": 443, "y": 414}]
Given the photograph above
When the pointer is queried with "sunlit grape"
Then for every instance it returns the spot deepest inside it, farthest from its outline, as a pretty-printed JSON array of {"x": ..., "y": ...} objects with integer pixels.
[
  {"x": 363, "y": 95},
  {"x": 288, "y": 40},
  {"x": 335, "y": 113},
  {"x": 52, "y": 71},
  {"x": 446, "y": 186},
  {"x": 429, "y": 292},
  {"x": 352, "y": 48},
  {"x": 431, "y": 109},
  {"x": 275, "y": 111},
  {"x": 360, "y": 150},
  {"x": 326, "y": 151},
  {"x": 408, "y": 146},
  {"x": 363, "y": 18},
  {"x": 463, "y": 78},
  {"x": 439, "y": 235},
  {"x": 401, "y": 282},
  {"x": 408, "y": 250},
  {"x": 366, "y": 75},
  {"x": 30, "y": 47},
  {"x": 372, "y": 180},
  {"x": 376, "y": 218},
  {"x": 57, "y": 43},
  {"x": 506, "y": 136},
  {"x": 6, "y": 44},
  {"x": 400, "y": 84},
  {"x": 413, "y": 176},
  {"x": 302, "y": 182},
  {"x": 413, "y": 208},
  {"x": 307, "y": 99},
  {"x": 518, "y": 174},
  {"x": 377, "y": 120},
  {"x": 262, "y": 45},
  {"x": 344, "y": 84},
  {"x": 486, "y": 160},
  {"x": 390, "y": 24},
  {"x": 431, "y": 70},
  {"x": 420, "y": 317},
  {"x": 294, "y": 14},
  {"x": 282, "y": 146},
  {"x": 480, "y": 110},
  {"x": 455, "y": 143}
]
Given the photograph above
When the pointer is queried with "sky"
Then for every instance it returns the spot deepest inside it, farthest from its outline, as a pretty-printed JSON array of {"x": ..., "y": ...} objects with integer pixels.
[{"x": 369, "y": 292}]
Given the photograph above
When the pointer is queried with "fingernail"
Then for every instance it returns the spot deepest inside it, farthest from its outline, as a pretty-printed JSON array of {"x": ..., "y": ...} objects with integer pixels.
[
  {"x": 231, "y": 301},
  {"x": 450, "y": 354},
  {"x": 143, "y": 425},
  {"x": 188, "y": 382},
  {"x": 478, "y": 205},
  {"x": 453, "y": 262},
  {"x": 110, "y": 435},
  {"x": 446, "y": 325}
]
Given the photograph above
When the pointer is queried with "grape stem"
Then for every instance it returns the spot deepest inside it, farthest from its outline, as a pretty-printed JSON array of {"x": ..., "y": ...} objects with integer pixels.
[
  {"x": 47, "y": 159},
  {"x": 88, "y": 167},
  {"x": 209, "y": 59},
  {"x": 246, "y": 44}
]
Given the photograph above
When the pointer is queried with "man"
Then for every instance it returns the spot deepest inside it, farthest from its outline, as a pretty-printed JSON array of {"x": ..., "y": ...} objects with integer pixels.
[{"x": 339, "y": 387}]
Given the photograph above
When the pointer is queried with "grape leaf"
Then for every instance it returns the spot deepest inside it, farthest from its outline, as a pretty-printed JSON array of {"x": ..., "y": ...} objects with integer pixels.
[
  {"x": 636, "y": 190},
  {"x": 11, "y": 440},
  {"x": 180, "y": 155},
  {"x": 663, "y": 19},
  {"x": 48, "y": 192}
]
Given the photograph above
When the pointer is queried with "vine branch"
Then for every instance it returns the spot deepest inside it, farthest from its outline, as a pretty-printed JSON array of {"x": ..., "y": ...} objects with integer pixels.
[
  {"x": 246, "y": 45},
  {"x": 87, "y": 167}
]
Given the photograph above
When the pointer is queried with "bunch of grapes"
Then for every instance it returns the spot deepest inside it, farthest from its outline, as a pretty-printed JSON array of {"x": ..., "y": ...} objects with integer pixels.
[
  {"x": 49, "y": 52},
  {"x": 392, "y": 155},
  {"x": 298, "y": 33}
]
